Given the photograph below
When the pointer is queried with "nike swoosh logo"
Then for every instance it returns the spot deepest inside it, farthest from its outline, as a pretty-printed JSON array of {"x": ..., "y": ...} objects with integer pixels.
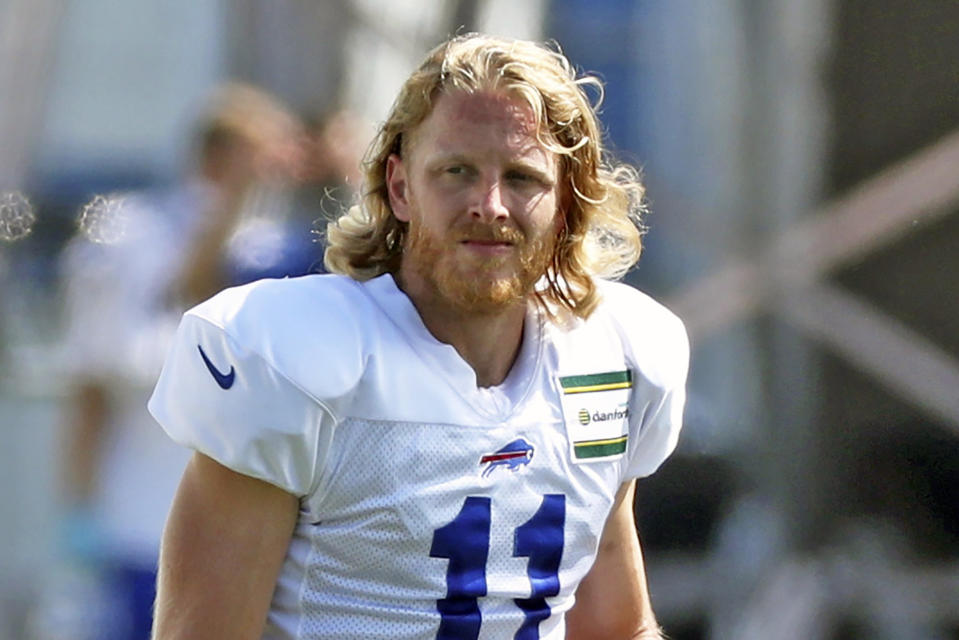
[{"x": 225, "y": 380}]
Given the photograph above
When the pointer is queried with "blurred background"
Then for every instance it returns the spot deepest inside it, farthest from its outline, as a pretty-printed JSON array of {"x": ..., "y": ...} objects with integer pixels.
[{"x": 802, "y": 164}]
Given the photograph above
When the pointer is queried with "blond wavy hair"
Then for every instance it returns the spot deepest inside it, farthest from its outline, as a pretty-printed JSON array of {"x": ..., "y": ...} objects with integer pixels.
[{"x": 604, "y": 200}]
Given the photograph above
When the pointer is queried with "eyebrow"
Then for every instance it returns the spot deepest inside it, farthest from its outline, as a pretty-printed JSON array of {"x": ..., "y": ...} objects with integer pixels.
[
  {"x": 539, "y": 169},
  {"x": 536, "y": 170}
]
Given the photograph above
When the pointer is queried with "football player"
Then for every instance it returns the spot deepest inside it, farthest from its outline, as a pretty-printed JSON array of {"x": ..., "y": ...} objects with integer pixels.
[{"x": 442, "y": 439}]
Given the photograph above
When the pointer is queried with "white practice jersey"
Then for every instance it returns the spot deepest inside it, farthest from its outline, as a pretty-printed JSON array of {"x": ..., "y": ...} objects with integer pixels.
[{"x": 429, "y": 507}]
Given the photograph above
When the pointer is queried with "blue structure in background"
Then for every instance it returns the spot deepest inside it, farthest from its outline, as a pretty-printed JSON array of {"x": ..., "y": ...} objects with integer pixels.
[
  {"x": 597, "y": 36},
  {"x": 601, "y": 37}
]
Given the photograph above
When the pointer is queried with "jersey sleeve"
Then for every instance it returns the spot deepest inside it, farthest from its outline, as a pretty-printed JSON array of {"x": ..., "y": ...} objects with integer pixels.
[
  {"x": 656, "y": 347},
  {"x": 661, "y": 394},
  {"x": 226, "y": 401}
]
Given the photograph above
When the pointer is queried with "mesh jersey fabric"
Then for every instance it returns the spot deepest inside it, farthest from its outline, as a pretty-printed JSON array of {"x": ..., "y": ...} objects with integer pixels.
[{"x": 429, "y": 507}]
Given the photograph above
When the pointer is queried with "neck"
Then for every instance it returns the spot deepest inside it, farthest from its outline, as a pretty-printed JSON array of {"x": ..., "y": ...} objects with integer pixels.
[{"x": 488, "y": 341}]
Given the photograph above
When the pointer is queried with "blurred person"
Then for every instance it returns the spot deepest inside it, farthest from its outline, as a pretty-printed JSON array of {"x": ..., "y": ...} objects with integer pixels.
[
  {"x": 137, "y": 265},
  {"x": 335, "y": 142},
  {"x": 251, "y": 152},
  {"x": 329, "y": 177},
  {"x": 441, "y": 439}
]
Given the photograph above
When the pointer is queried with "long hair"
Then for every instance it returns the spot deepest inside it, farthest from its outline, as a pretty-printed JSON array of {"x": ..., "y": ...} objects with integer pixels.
[{"x": 603, "y": 200}]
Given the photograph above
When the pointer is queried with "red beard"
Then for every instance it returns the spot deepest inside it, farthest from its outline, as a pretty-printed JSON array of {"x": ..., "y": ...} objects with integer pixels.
[{"x": 478, "y": 284}]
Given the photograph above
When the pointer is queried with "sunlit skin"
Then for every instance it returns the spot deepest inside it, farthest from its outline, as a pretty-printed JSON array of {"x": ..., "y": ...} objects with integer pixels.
[{"x": 481, "y": 198}]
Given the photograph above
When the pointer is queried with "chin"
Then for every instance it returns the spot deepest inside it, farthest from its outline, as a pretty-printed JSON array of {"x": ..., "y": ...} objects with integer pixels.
[
  {"x": 477, "y": 293},
  {"x": 477, "y": 285}
]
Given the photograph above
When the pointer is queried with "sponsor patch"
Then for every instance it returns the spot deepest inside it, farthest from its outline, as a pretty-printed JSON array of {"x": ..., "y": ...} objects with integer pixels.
[{"x": 596, "y": 413}]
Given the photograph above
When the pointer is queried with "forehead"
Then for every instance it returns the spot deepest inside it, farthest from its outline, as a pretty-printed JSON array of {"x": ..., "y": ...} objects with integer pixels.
[
  {"x": 480, "y": 121},
  {"x": 493, "y": 108}
]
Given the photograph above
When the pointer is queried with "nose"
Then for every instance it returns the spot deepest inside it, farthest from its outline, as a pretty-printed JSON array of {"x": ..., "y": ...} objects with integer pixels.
[{"x": 488, "y": 204}]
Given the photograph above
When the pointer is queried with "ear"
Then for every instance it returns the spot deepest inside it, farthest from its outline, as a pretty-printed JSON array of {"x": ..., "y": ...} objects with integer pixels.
[{"x": 397, "y": 187}]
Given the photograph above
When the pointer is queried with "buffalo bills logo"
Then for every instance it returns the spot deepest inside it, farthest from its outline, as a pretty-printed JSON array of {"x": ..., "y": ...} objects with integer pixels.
[{"x": 516, "y": 454}]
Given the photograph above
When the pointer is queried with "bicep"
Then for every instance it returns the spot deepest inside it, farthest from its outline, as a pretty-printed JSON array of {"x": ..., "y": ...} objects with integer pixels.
[
  {"x": 223, "y": 548},
  {"x": 612, "y": 601}
]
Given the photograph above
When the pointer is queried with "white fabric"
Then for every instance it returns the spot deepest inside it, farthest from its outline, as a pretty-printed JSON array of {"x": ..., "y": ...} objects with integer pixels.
[{"x": 342, "y": 397}]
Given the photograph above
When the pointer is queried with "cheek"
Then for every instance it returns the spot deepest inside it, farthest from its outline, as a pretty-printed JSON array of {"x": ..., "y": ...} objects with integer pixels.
[
  {"x": 545, "y": 217},
  {"x": 435, "y": 210}
]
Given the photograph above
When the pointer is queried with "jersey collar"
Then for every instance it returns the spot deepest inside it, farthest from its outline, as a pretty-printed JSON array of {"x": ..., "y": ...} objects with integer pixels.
[{"x": 494, "y": 402}]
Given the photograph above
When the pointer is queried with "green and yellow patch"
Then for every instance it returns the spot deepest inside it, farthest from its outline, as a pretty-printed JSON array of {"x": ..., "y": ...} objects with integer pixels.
[
  {"x": 597, "y": 382},
  {"x": 600, "y": 448}
]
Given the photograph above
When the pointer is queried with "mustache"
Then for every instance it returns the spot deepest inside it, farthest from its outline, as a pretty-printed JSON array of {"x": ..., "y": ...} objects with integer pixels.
[{"x": 478, "y": 231}]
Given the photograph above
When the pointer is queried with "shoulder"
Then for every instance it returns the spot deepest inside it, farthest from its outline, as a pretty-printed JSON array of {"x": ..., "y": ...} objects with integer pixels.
[
  {"x": 627, "y": 303},
  {"x": 654, "y": 336},
  {"x": 284, "y": 303},
  {"x": 257, "y": 375},
  {"x": 294, "y": 324}
]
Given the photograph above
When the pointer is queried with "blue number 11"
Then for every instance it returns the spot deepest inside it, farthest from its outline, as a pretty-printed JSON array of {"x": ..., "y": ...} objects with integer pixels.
[{"x": 465, "y": 543}]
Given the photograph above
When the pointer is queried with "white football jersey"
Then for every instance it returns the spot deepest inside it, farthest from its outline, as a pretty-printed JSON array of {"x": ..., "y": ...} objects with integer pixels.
[{"x": 429, "y": 507}]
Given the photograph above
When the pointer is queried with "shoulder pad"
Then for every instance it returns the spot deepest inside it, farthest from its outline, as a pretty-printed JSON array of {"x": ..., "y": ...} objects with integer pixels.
[{"x": 309, "y": 329}]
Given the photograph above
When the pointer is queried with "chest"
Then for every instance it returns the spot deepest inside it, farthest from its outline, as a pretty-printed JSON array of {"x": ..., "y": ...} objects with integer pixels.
[{"x": 417, "y": 502}]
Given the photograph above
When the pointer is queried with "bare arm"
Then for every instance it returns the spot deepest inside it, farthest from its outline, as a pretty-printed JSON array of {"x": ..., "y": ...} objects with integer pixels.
[
  {"x": 612, "y": 601},
  {"x": 223, "y": 547}
]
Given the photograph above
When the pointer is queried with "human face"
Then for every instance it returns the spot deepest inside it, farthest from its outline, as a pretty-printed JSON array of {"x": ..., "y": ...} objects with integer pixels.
[{"x": 481, "y": 198}]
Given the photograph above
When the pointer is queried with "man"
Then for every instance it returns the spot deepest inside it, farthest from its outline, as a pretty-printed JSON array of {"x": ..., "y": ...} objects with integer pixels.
[
  {"x": 122, "y": 302},
  {"x": 442, "y": 442}
]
